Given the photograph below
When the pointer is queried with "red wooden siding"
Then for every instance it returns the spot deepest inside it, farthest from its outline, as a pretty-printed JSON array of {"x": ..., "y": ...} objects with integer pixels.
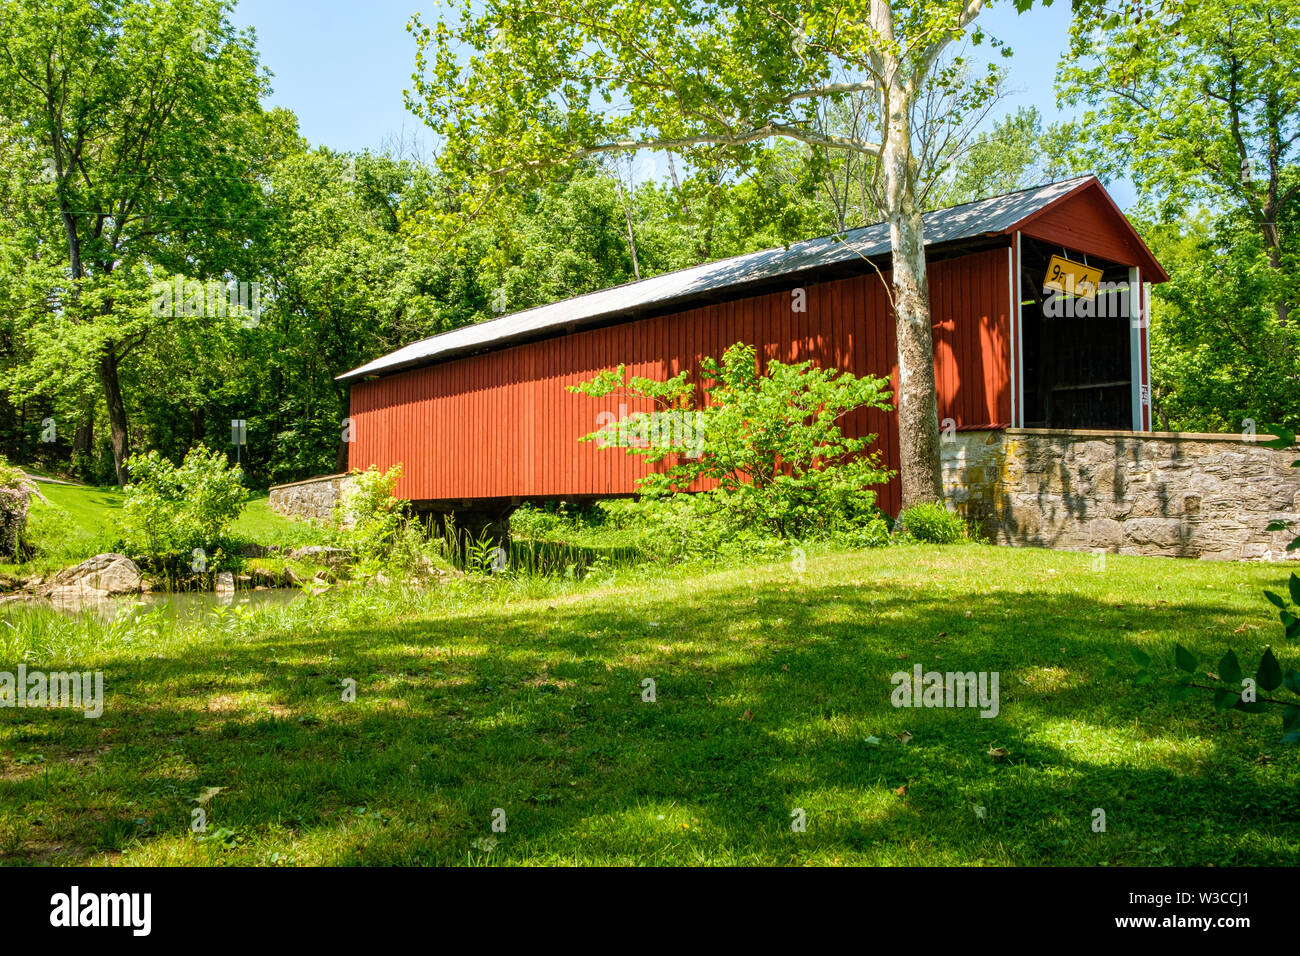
[{"x": 503, "y": 424}]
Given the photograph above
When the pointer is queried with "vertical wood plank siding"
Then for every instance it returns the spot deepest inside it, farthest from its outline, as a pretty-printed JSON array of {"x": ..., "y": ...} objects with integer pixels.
[{"x": 504, "y": 424}]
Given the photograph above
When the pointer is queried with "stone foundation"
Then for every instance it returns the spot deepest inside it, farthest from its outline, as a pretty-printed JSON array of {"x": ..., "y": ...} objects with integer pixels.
[
  {"x": 1160, "y": 493},
  {"x": 313, "y": 498}
]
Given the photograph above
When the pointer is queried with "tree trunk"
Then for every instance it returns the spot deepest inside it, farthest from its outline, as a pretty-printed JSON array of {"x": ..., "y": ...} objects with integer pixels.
[
  {"x": 918, "y": 411},
  {"x": 83, "y": 438},
  {"x": 116, "y": 411},
  {"x": 1274, "y": 242}
]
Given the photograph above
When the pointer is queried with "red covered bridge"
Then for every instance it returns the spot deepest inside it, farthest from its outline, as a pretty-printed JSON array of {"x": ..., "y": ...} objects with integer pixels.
[{"x": 480, "y": 417}]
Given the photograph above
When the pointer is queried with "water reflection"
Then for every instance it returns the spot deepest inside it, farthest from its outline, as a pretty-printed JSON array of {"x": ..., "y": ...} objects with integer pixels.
[{"x": 183, "y": 606}]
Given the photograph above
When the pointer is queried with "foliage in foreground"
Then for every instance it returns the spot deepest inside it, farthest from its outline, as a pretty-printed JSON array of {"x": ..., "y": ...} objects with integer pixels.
[
  {"x": 176, "y": 517},
  {"x": 369, "y": 516},
  {"x": 931, "y": 522},
  {"x": 765, "y": 452}
]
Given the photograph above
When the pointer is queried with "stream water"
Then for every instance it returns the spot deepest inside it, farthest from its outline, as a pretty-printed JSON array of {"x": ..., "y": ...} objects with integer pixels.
[{"x": 180, "y": 606}]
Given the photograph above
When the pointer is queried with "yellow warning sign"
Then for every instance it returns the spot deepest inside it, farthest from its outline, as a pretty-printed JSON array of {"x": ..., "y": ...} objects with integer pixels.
[{"x": 1072, "y": 278}]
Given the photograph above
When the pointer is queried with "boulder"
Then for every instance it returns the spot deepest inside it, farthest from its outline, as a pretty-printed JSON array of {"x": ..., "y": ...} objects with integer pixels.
[
  {"x": 321, "y": 554},
  {"x": 257, "y": 550},
  {"x": 109, "y": 573},
  {"x": 225, "y": 583},
  {"x": 262, "y": 578}
]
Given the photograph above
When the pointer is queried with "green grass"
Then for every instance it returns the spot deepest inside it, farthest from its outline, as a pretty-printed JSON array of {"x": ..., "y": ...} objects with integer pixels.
[
  {"x": 80, "y": 520},
  {"x": 526, "y": 696},
  {"x": 260, "y": 524},
  {"x": 90, "y": 509}
]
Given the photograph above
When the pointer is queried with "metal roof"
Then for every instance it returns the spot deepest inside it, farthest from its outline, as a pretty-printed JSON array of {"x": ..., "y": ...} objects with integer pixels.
[{"x": 967, "y": 221}]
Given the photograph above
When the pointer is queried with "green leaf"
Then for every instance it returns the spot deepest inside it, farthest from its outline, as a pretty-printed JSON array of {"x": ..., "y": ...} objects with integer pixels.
[
  {"x": 1225, "y": 699},
  {"x": 1294, "y": 586},
  {"x": 1285, "y": 439},
  {"x": 1277, "y": 526},
  {"x": 1141, "y": 656},
  {"x": 1185, "y": 659},
  {"x": 1179, "y": 693},
  {"x": 1292, "y": 680},
  {"x": 1275, "y": 599},
  {"x": 1291, "y": 718},
  {"x": 1230, "y": 668},
  {"x": 1269, "y": 676}
]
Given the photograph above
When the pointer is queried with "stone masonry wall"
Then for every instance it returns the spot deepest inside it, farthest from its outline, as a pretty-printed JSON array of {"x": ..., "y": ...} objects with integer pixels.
[
  {"x": 313, "y": 498},
  {"x": 1160, "y": 493}
]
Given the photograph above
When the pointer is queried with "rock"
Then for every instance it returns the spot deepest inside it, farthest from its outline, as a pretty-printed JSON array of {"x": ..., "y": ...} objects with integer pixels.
[
  {"x": 109, "y": 573},
  {"x": 256, "y": 550},
  {"x": 225, "y": 583},
  {"x": 260, "y": 578},
  {"x": 321, "y": 554}
]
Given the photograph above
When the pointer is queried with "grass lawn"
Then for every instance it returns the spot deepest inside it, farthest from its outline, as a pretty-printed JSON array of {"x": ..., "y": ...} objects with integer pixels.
[
  {"x": 80, "y": 520},
  {"x": 773, "y": 694}
]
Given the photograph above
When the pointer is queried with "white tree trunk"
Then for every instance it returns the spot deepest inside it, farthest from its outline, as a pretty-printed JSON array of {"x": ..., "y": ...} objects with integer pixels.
[{"x": 918, "y": 411}]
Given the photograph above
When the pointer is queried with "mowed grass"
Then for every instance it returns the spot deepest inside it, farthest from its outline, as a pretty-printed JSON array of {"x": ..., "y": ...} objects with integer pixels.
[
  {"x": 75, "y": 521},
  {"x": 769, "y": 687}
]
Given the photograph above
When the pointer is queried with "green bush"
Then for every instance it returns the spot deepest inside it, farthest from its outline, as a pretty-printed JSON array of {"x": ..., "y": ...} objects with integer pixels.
[
  {"x": 369, "y": 517},
  {"x": 176, "y": 518},
  {"x": 768, "y": 447},
  {"x": 14, "y": 497},
  {"x": 931, "y": 522}
]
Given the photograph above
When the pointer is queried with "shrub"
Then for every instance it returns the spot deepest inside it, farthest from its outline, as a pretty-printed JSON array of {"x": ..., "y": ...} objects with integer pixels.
[
  {"x": 173, "y": 517},
  {"x": 769, "y": 444},
  {"x": 369, "y": 516},
  {"x": 15, "y": 495},
  {"x": 931, "y": 522}
]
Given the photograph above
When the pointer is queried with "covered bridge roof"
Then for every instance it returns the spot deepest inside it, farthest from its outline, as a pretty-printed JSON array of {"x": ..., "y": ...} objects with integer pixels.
[{"x": 987, "y": 217}]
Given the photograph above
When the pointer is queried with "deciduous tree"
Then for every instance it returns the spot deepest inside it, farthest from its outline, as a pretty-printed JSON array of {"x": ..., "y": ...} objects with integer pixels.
[{"x": 517, "y": 87}]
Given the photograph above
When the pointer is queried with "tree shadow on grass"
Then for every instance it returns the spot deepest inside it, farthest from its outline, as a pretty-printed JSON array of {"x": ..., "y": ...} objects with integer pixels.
[{"x": 768, "y": 700}]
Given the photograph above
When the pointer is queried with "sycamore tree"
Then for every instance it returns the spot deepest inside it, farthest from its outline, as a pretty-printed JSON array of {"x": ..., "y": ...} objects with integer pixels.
[
  {"x": 515, "y": 88},
  {"x": 128, "y": 126}
]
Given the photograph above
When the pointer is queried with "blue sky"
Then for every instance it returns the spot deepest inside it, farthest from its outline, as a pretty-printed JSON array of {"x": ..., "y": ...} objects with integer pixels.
[{"x": 341, "y": 65}]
